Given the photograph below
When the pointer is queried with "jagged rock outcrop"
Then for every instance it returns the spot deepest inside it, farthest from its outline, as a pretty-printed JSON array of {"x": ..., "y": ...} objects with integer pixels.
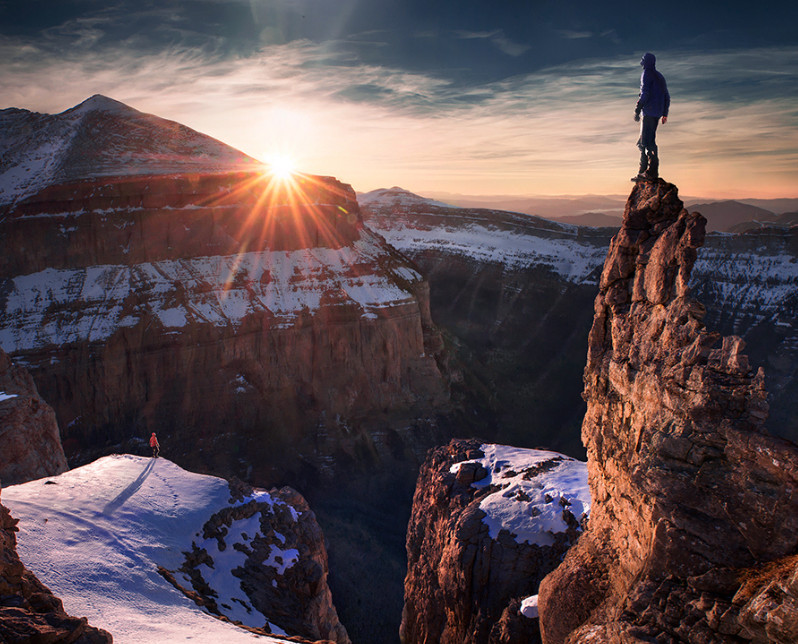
[
  {"x": 29, "y": 612},
  {"x": 283, "y": 571},
  {"x": 488, "y": 523},
  {"x": 691, "y": 497},
  {"x": 30, "y": 445},
  {"x": 154, "y": 279}
]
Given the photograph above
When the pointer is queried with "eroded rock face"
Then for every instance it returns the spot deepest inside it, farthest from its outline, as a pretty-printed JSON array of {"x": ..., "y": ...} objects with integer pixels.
[
  {"x": 488, "y": 523},
  {"x": 250, "y": 322},
  {"x": 30, "y": 445},
  {"x": 29, "y": 612},
  {"x": 689, "y": 492},
  {"x": 280, "y": 567}
]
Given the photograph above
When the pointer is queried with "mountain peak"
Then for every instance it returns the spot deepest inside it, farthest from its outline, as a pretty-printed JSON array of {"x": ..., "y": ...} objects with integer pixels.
[
  {"x": 100, "y": 103},
  {"x": 396, "y": 196},
  {"x": 102, "y": 137}
]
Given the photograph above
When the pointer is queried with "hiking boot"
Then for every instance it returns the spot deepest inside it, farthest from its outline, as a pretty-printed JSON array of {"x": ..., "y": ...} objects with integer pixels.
[{"x": 640, "y": 177}]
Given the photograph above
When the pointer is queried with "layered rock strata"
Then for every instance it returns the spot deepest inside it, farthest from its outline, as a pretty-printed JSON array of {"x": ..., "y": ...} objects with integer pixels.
[
  {"x": 690, "y": 495},
  {"x": 153, "y": 280},
  {"x": 29, "y": 612},
  {"x": 514, "y": 293},
  {"x": 488, "y": 523},
  {"x": 30, "y": 445}
]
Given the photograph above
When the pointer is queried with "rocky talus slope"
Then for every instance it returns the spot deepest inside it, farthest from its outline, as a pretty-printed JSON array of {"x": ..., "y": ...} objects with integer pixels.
[
  {"x": 30, "y": 445},
  {"x": 29, "y": 612},
  {"x": 693, "y": 528},
  {"x": 488, "y": 523}
]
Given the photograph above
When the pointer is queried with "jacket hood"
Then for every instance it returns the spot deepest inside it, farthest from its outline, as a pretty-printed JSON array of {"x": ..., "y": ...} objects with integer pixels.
[{"x": 648, "y": 61}]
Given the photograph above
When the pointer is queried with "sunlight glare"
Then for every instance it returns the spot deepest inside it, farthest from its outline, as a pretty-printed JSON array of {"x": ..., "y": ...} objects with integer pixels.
[{"x": 281, "y": 166}]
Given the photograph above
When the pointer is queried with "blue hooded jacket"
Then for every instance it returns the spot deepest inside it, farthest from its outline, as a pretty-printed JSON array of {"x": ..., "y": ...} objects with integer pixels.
[{"x": 654, "y": 99}]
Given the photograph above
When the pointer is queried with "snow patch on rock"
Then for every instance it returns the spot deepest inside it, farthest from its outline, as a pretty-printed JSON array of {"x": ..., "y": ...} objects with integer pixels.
[{"x": 535, "y": 489}]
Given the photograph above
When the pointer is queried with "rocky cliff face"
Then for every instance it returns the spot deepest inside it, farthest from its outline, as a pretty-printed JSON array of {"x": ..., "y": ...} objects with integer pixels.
[
  {"x": 283, "y": 571},
  {"x": 692, "y": 499},
  {"x": 488, "y": 523},
  {"x": 28, "y": 610},
  {"x": 30, "y": 445},
  {"x": 168, "y": 287},
  {"x": 514, "y": 294}
]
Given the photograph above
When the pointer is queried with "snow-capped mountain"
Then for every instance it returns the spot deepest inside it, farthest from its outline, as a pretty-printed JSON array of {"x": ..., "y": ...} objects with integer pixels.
[
  {"x": 99, "y": 534},
  {"x": 102, "y": 137}
]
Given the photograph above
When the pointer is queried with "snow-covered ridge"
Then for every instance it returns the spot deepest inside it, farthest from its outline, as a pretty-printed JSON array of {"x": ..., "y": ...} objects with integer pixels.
[
  {"x": 96, "y": 535},
  {"x": 572, "y": 259},
  {"x": 534, "y": 489},
  {"x": 41, "y": 309},
  {"x": 396, "y": 198},
  {"x": 414, "y": 225},
  {"x": 101, "y": 137},
  {"x": 755, "y": 283}
]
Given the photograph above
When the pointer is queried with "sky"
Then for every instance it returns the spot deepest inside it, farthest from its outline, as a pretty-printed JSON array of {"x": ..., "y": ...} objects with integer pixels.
[{"x": 479, "y": 97}]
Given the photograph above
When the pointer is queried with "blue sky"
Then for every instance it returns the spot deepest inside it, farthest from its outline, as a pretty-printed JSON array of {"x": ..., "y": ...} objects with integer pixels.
[{"x": 490, "y": 97}]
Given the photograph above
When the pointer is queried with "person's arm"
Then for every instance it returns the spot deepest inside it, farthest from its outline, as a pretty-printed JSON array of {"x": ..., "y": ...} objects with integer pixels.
[{"x": 645, "y": 93}]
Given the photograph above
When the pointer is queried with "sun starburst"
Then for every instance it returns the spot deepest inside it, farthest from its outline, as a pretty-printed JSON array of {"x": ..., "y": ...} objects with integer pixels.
[{"x": 281, "y": 166}]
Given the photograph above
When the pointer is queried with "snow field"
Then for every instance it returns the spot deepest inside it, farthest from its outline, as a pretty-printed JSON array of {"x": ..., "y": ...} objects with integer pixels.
[
  {"x": 95, "y": 536},
  {"x": 569, "y": 258}
]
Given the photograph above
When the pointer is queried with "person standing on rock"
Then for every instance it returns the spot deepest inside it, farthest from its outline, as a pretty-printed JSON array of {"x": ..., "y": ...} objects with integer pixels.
[
  {"x": 156, "y": 448},
  {"x": 654, "y": 102}
]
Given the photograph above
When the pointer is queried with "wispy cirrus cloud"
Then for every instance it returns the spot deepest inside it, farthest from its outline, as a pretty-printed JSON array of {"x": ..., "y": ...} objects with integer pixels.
[{"x": 563, "y": 129}]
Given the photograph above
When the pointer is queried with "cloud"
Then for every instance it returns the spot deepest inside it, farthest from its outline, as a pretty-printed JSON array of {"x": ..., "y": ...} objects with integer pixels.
[
  {"x": 496, "y": 37},
  {"x": 564, "y": 129},
  {"x": 570, "y": 34}
]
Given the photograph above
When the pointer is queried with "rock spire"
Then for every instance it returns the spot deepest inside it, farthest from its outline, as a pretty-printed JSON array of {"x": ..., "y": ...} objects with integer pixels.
[{"x": 694, "y": 519}]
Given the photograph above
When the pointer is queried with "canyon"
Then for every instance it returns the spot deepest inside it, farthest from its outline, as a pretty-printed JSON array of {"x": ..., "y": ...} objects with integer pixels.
[
  {"x": 287, "y": 331},
  {"x": 513, "y": 295},
  {"x": 254, "y": 324}
]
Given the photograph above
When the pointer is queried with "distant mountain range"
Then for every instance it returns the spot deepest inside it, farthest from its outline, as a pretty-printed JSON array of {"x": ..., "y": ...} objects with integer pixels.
[{"x": 607, "y": 210}]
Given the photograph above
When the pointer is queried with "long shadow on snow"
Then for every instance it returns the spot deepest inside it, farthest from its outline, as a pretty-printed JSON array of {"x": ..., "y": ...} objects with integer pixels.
[{"x": 117, "y": 502}]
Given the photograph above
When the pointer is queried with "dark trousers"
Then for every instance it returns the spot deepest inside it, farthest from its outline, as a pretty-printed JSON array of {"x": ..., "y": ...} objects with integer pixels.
[{"x": 647, "y": 144}]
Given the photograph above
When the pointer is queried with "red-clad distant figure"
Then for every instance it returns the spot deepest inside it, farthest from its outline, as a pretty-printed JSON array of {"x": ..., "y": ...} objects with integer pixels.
[{"x": 154, "y": 444}]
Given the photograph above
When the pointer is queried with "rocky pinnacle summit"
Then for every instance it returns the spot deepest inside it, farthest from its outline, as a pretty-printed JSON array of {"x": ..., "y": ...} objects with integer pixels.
[{"x": 693, "y": 524}]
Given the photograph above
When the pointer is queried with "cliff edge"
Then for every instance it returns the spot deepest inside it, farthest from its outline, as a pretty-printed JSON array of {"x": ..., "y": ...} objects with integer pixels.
[
  {"x": 488, "y": 523},
  {"x": 30, "y": 444},
  {"x": 29, "y": 612},
  {"x": 693, "y": 519}
]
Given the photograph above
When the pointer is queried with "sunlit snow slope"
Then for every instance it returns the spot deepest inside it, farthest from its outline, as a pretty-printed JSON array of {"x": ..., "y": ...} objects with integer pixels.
[{"x": 96, "y": 534}]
